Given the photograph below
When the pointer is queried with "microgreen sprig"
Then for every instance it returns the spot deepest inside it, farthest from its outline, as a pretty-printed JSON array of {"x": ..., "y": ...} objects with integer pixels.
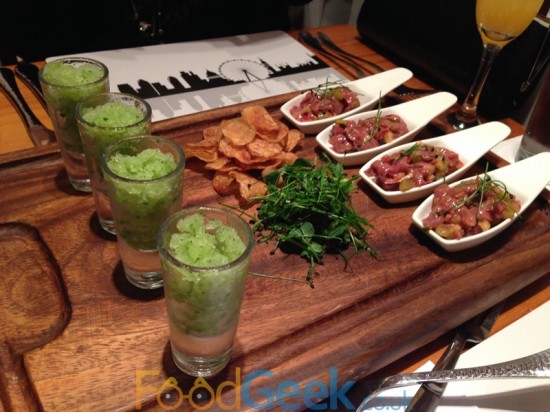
[
  {"x": 376, "y": 124},
  {"x": 420, "y": 145},
  {"x": 325, "y": 89},
  {"x": 308, "y": 211},
  {"x": 484, "y": 185}
]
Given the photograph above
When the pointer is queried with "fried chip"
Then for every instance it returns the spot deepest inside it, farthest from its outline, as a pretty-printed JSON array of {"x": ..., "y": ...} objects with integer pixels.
[
  {"x": 260, "y": 118},
  {"x": 275, "y": 135},
  {"x": 231, "y": 165},
  {"x": 249, "y": 186},
  {"x": 206, "y": 154},
  {"x": 264, "y": 149},
  {"x": 211, "y": 135},
  {"x": 293, "y": 137},
  {"x": 236, "y": 147},
  {"x": 238, "y": 131},
  {"x": 260, "y": 165},
  {"x": 217, "y": 164},
  {"x": 224, "y": 184},
  {"x": 240, "y": 153}
]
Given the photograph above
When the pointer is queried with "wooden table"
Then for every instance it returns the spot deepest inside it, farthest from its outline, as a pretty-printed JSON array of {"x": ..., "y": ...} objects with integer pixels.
[{"x": 79, "y": 337}]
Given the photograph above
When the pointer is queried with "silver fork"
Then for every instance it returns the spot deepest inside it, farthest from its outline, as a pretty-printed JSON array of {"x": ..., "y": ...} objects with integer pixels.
[
  {"x": 532, "y": 366},
  {"x": 313, "y": 42},
  {"x": 322, "y": 40}
]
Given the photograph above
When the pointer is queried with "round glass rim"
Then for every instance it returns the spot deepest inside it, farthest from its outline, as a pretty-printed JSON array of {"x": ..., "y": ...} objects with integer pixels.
[
  {"x": 68, "y": 60},
  {"x": 166, "y": 253},
  {"x": 179, "y": 167},
  {"x": 146, "y": 116}
]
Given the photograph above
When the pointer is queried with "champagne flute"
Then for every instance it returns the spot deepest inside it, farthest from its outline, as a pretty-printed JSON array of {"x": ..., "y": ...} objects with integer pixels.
[{"x": 499, "y": 22}]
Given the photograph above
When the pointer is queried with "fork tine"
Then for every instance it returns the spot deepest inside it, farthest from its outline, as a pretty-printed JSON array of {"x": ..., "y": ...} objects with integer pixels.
[
  {"x": 401, "y": 90},
  {"x": 312, "y": 41},
  {"x": 326, "y": 41}
]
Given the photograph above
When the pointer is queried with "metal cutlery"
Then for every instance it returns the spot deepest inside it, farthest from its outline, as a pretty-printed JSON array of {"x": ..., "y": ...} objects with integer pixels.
[
  {"x": 327, "y": 41},
  {"x": 39, "y": 134},
  {"x": 28, "y": 73},
  {"x": 318, "y": 43},
  {"x": 474, "y": 331},
  {"x": 400, "y": 90},
  {"x": 532, "y": 366},
  {"x": 313, "y": 42}
]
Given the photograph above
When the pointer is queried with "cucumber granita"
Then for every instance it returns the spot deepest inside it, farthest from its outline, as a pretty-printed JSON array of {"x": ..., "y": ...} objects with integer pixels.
[
  {"x": 139, "y": 201},
  {"x": 65, "y": 82},
  {"x": 103, "y": 119},
  {"x": 205, "y": 257},
  {"x": 144, "y": 179},
  {"x": 62, "y": 74}
]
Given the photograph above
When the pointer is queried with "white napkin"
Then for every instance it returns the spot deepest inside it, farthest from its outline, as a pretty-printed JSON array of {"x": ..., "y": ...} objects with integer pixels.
[
  {"x": 526, "y": 336},
  {"x": 507, "y": 150}
]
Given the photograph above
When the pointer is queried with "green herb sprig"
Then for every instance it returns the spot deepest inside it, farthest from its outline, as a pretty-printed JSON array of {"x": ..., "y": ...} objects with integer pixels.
[
  {"x": 308, "y": 211},
  {"x": 484, "y": 185},
  {"x": 376, "y": 124},
  {"x": 435, "y": 155},
  {"x": 327, "y": 88}
]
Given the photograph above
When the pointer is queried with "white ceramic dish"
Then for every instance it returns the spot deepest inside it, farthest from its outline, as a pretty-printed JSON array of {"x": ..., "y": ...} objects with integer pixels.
[
  {"x": 470, "y": 145},
  {"x": 525, "y": 179},
  {"x": 415, "y": 113},
  {"x": 369, "y": 90}
]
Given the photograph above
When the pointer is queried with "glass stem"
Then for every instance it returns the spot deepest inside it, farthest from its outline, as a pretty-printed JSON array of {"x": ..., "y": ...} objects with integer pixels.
[{"x": 469, "y": 107}]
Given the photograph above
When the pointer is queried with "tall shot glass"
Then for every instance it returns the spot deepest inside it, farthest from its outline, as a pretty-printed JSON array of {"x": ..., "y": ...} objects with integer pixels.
[
  {"x": 65, "y": 82},
  {"x": 144, "y": 178},
  {"x": 205, "y": 254},
  {"x": 102, "y": 119}
]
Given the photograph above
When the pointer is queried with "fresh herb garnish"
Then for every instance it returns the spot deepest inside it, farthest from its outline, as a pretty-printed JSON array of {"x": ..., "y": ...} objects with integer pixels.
[
  {"x": 376, "y": 124},
  {"x": 410, "y": 150},
  {"x": 484, "y": 186},
  {"x": 436, "y": 153},
  {"x": 308, "y": 211},
  {"x": 327, "y": 88}
]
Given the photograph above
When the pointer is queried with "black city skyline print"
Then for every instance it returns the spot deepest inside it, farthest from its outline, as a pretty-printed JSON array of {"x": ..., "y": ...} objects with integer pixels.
[{"x": 190, "y": 82}]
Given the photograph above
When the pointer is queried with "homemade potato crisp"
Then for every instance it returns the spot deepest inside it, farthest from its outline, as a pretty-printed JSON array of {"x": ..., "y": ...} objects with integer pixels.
[{"x": 238, "y": 148}]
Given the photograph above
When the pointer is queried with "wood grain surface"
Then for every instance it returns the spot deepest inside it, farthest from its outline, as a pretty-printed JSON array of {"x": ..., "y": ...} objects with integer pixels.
[{"x": 113, "y": 353}]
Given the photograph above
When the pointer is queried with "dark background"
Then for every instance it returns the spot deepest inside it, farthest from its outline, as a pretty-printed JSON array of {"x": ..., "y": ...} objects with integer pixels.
[{"x": 438, "y": 40}]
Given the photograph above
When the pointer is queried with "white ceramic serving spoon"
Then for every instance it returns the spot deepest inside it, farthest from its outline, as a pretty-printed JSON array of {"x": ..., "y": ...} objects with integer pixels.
[
  {"x": 369, "y": 90},
  {"x": 525, "y": 179},
  {"x": 470, "y": 145},
  {"x": 415, "y": 113}
]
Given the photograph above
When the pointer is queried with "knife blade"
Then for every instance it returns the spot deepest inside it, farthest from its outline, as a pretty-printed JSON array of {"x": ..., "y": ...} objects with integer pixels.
[
  {"x": 28, "y": 73},
  {"x": 474, "y": 331},
  {"x": 39, "y": 134}
]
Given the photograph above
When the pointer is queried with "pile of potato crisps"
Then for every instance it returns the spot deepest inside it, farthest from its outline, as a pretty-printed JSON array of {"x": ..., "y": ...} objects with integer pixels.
[{"x": 238, "y": 148}]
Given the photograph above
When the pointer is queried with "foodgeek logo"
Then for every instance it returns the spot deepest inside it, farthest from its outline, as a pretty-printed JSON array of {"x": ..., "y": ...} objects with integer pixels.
[{"x": 287, "y": 395}]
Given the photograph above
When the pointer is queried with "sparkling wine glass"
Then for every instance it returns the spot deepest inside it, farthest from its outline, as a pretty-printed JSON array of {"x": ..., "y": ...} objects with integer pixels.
[{"x": 499, "y": 22}]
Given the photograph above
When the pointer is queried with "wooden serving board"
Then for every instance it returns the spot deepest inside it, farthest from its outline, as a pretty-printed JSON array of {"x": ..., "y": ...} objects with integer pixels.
[{"x": 112, "y": 352}]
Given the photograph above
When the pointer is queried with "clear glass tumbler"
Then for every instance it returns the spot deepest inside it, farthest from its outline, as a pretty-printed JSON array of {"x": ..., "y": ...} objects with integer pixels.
[
  {"x": 536, "y": 138},
  {"x": 144, "y": 179},
  {"x": 64, "y": 83},
  {"x": 103, "y": 119},
  {"x": 205, "y": 254}
]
